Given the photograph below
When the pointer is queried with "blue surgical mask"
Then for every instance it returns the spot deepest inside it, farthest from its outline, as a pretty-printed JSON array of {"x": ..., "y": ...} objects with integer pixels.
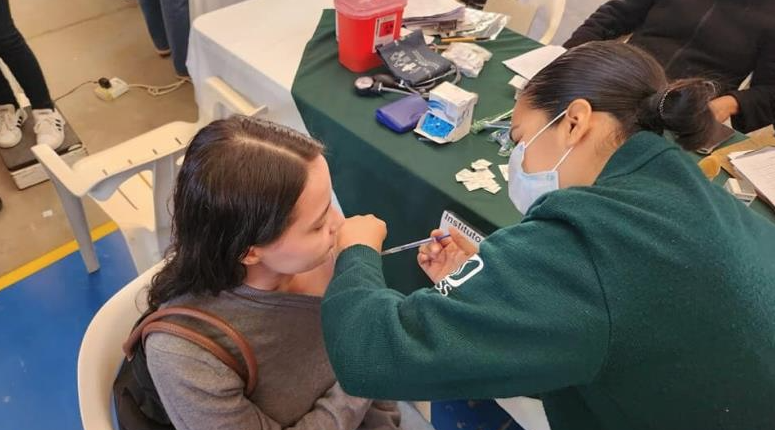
[{"x": 525, "y": 188}]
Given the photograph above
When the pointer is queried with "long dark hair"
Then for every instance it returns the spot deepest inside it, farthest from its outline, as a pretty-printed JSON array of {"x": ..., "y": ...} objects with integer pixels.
[
  {"x": 628, "y": 83},
  {"x": 237, "y": 187}
]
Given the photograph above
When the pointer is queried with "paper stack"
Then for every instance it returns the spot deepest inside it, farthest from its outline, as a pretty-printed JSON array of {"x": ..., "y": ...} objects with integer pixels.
[
  {"x": 529, "y": 64},
  {"x": 425, "y": 12},
  {"x": 758, "y": 168}
]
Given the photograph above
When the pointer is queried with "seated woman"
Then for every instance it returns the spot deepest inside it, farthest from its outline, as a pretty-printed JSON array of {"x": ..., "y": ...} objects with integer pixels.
[
  {"x": 723, "y": 41},
  {"x": 254, "y": 235}
]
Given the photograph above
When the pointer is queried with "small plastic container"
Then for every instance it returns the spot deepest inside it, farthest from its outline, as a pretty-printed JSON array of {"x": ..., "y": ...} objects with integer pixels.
[{"x": 362, "y": 26}]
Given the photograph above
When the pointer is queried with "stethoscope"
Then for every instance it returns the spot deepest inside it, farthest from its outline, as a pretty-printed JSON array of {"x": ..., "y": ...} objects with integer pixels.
[{"x": 384, "y": 83}]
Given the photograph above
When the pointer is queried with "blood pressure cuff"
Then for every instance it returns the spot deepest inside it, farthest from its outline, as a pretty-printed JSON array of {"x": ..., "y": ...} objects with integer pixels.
[
  {"x": 410, "y": 59},
  {"x": 402, "y": 115}
]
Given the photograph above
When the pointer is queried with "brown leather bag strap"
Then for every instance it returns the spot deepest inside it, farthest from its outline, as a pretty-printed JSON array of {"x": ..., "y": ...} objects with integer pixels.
[
  {"x": 198, "y": 339},
  {"x": 151, "y": 324}
]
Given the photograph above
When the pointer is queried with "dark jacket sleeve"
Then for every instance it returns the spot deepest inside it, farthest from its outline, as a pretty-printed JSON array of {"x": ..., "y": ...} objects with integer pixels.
[
  {"x": 613, "y": 19},
  {"x": 757, "y": 104},
  {"x": 525, "y": 315}
]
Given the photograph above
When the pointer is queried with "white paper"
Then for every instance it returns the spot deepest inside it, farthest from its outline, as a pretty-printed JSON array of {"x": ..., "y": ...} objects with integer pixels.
[
  {"x": 758, "y": 167},
  {"x": 450, "y": 220},
  {"x": 493, "y": 189},
  {"x": 480, "y": 178},
  {"x": 473, "y": 186},
  {"x": 504, "y": 168},
  {"x": 518, "y": 82},
  {"x": 529, "y": 64},
  {"x": 424, "y": 8},
  {"x": 736, "y": 154},
  {"x": 480, "y": 164},
  {"x": 405, "y": 32},
  {"x": 528, "y": 413}
]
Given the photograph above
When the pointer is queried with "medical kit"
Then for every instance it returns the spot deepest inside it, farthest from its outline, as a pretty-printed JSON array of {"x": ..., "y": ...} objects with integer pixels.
[{"x": 449, "y": 115}]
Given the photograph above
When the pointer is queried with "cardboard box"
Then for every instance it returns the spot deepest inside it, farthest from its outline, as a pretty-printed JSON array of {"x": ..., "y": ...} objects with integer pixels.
[{"x": 450, "y": 114}]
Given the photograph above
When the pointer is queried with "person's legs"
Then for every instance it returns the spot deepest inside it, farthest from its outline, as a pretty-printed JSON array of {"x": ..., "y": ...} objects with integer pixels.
[
  {"x": 22, "y": 62},
  {"x": 11, "y": 117},
  {"x": 176, "y": 21},
  {"x": 49, "y": 124},
  {"x": 7, "y": 97},
  {"x": 153, "y": 20}
]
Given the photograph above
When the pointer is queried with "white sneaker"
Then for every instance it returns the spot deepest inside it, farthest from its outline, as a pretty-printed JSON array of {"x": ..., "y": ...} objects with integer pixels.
[
  {"x": 11, "y": 121},
  {"x": 49, "y": 127}
]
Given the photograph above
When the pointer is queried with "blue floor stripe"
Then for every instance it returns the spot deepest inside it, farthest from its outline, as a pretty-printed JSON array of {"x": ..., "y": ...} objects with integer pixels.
[{"x": 42, "y": 321}]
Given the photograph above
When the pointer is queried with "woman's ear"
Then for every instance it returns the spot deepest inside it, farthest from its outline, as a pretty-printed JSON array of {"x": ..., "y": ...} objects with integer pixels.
[
  {"x": 579, "y": 117},
  {"x": 253, "y": 256}
]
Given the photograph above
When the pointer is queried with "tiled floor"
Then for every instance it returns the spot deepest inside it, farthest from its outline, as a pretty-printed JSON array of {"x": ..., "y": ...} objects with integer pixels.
[{"x": 75, "y": 41}]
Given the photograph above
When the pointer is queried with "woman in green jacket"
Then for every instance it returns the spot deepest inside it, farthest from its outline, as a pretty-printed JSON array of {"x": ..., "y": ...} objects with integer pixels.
[{"x": 634, "y": 294}]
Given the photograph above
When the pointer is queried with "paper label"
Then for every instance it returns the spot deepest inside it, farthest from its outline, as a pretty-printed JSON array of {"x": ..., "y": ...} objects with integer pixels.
[
  {"x": 450, "y": 219},
  {"x": 384, "y": 29}
]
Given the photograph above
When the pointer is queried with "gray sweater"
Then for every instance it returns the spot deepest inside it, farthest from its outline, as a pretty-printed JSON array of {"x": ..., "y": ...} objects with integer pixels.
[{"x": 296, "y": 385}]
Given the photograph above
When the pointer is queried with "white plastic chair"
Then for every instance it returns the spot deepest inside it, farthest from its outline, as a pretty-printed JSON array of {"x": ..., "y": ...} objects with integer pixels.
[
  {"x": 523, "y": 12},
  {"x": 101, "y": 355},
  {"x": 133, "y": 181}
]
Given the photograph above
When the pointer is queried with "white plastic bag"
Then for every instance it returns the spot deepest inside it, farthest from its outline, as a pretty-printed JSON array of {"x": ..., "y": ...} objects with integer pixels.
[{"x": 468, "y": 57}]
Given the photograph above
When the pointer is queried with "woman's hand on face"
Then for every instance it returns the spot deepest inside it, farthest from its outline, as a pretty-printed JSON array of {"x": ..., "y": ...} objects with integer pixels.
[
  {"x": 440, "y": 258},
  {"x": 362, "y": 230}
]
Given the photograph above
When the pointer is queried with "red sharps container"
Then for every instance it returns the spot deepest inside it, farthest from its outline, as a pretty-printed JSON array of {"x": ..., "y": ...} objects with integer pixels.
[{"x": 362, "y": 26}]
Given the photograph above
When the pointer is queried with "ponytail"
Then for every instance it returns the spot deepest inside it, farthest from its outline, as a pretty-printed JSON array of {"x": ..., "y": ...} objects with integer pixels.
[
  {"x": 681, "y": 108},
  {"x": 628, "y": 83}
]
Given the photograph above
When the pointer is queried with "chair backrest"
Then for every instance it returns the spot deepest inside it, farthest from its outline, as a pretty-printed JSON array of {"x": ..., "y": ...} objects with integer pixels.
[
  {"x": 123, "y": 170},
  {"x": 155, "y": 152},
  {"x": 523, "y": 13},
  {"x": 118, "y": 178},
  {"x": 555, "y": 9},
  {"x": 222, "y": 100},
  {"x": 100, "y": 355}
]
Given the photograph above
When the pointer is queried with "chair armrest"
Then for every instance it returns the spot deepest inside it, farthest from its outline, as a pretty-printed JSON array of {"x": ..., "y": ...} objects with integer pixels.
[{"x": 59, "y": 171}]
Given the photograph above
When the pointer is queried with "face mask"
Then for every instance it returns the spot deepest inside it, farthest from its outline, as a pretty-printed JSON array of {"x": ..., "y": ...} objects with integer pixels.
[{"x": 525, "y": 188}]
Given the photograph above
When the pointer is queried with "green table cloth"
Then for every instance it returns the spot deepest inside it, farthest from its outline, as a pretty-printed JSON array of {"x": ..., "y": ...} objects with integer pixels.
[{"x": 406, "y": 182}]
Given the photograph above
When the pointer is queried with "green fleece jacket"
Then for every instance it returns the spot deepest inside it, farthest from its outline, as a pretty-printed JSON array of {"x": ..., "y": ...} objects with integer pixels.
[{"x": 645, "y": 301}]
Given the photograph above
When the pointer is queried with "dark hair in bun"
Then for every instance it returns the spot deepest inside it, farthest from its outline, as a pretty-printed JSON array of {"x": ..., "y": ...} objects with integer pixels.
[{"x": 628, "y": 83}]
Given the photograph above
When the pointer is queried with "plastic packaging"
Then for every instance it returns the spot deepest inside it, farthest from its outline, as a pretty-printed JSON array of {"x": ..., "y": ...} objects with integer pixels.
[{"x": 468, "y": 57}]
